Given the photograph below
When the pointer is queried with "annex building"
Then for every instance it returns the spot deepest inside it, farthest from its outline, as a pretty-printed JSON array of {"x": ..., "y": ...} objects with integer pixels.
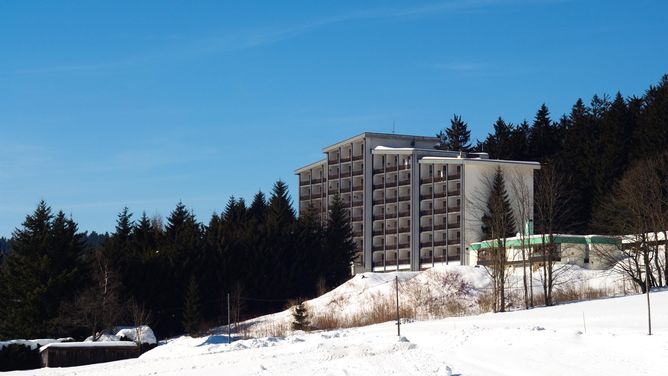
[{"x": 411, "y": 205}]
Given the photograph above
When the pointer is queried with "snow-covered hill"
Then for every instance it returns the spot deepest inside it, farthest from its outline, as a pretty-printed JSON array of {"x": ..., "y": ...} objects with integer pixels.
[{"x": 601, "y": 337}]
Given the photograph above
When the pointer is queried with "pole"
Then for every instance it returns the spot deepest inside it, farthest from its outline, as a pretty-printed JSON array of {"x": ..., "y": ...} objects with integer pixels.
[
  {"x": 396, "y": 289},
  {"x": 229, "y": 328},
  {"x": 649, "y": 313}
]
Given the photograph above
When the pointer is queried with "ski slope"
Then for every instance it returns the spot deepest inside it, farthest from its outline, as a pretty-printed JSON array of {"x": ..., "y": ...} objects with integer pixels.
[{"x": 601, "y": 337}]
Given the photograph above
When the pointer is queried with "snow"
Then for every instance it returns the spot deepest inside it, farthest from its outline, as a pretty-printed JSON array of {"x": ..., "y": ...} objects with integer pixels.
[
  {"x": 144, "y": 333},
  {"x": 600, "y": 337},
  {"x": 88, "y": 344},
  {"x": 32, "y": 343}
]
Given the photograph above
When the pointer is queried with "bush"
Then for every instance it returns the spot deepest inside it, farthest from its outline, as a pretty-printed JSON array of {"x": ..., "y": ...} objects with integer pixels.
[{"x": 19, "y": 357}]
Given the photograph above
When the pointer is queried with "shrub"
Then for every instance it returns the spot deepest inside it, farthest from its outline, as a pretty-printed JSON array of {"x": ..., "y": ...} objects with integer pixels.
[{"x": 19, "y": 357}]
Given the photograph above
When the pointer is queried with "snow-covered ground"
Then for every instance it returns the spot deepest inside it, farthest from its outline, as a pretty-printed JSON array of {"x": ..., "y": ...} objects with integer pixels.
[{"x": 601, "y": 337}]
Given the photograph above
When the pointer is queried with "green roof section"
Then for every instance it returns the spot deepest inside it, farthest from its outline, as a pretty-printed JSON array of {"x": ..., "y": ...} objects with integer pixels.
[{"x": 538, "y": 239}]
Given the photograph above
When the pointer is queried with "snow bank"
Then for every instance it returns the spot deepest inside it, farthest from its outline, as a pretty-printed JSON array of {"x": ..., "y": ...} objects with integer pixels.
[{"x": 142, "y": 334}]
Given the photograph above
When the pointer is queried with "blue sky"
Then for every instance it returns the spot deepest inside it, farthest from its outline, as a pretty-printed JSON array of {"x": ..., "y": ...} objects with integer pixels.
[{"x": 145, "y": 103}]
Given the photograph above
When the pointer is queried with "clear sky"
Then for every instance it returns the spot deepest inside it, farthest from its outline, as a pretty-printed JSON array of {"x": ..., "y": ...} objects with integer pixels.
[{"x": 145, "y": 103}]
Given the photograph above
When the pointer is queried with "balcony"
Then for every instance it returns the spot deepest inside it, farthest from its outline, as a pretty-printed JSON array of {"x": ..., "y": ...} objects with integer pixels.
[
  {"x": 345, "y": 175},
  {"x": 333, "y": 176},
  {"x": 357, "y": 172},
  {"x": 454, "y": 193},
  {"x": 304, "y": 197},
  {"x": 454, "y": 242},
  {"x": 434, "y": 179},
  {"x": 333, "y": 160},
  {"x": 392, "y": 184},
  {"x": 391, "y": 199},
  {"x": 433, "y": 211},
  {"x": 357, "y": 204},
  {"x": 453, "y": 225},
  {"x": 427, "y": 260},
  {"x": 455, "y": 176},
  {"x": 345, "y": 160},
  {"x": 356, "y": 218},
  {"x": 378, "y": 217},
  {"x": 304, "y": 182},
  {"x": 390, "y": 169},
  {"x": 358, "y": 157},
  {"x": 358, "y": 188},
  {"x": 357, "y": 233},
  {"x": 454, "y": 209},
  {"x": 434, "y": 228},
  {"x": 428, "y": 196},
  {"x": 429, "y": 244}
]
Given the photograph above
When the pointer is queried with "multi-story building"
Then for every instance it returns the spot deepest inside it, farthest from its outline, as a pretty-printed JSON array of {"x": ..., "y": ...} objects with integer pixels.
[{"x": 411, "y": 206}]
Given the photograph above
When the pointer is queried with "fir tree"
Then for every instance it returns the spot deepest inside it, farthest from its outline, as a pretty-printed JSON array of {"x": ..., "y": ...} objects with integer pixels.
[
  {"x": 456, "y": 137},
  {"x": 499, "y": 144},
  {"x": 339, "y": 247},
  {"x": 192, "y": 316},
  {"x": 498, "y": 221},
  {"x": 44, "y": 270},
  {"x": 300, "y": 317},
  {"x": 543, "y": 142}
]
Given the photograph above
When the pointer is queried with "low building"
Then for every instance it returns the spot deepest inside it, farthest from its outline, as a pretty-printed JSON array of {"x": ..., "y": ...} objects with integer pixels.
[
  {"x": 582, "y": 250},
  {"x": 69, "y": 354}
]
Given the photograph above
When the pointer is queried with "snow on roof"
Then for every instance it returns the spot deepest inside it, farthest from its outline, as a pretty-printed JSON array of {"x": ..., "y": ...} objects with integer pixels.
[
  {"x": 32, "y": 343},
  {"x": 75, "y": 345}
]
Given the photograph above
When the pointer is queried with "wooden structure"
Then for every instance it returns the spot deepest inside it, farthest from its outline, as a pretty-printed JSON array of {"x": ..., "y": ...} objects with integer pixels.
[{"x": 70, "y": 354}]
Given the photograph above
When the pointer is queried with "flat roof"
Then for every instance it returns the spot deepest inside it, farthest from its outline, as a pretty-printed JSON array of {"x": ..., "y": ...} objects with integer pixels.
[
  {"x": 310, "y": 166},
  {"x": 466, "y": 160},
  {"x": 538, "y": 239},
  {"x": 380, "y": 135}
]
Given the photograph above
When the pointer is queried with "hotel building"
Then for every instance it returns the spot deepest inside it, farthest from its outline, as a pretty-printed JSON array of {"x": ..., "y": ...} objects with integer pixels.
[{"x": 411, "y": 206}]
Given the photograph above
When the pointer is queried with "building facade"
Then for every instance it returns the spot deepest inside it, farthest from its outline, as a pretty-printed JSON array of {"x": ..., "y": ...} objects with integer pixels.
[{"x": 411, "y": 206}]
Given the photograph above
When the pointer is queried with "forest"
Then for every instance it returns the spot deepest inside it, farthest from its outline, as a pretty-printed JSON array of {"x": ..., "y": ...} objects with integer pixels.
[{"x": 57, "y": 282}]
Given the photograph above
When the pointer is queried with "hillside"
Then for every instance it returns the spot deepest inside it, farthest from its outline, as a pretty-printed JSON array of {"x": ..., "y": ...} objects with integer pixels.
[{"x": 601, "y": 337}]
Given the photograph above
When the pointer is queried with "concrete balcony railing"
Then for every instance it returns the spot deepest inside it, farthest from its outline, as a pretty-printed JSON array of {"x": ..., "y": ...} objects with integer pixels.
[
  {"x": 358, "y": 157},
  {"x": 378, "y": 217},
  {"x": 432, "y": 179},
  {"x": 390, "y": 169},
  {"x": 428, "y": 196},
  {"x": 438, "y": 243},
  {"x": 391, "y": 199},
  {"x": 434, "y": 228},
  {"x": 357, "y": 204},
  {"x": 433, "y": 211},
  {"x": 455, "y": 176},
  {"x": 456, "y": 192},
  {"x": 358, "y": 172},
  {"x": 391, "y": 184},
  {"x": 356, "y": 218}
]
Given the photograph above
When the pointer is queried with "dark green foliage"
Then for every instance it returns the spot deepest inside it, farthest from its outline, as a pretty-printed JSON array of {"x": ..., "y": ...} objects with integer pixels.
[
  {"x": 498, "y": 221},
  {"x": 300, "y": 317},
  {"x": 16, "y": 357},
  {"x": 192, "y": 317},
  {"x": 43, "y": 270},
  {"x": 339, "y": 247},
  {"x": 456, "y": 137}
]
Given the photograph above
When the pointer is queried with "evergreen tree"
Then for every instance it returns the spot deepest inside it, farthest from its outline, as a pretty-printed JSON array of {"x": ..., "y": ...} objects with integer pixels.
[
  {"x": 499, "y": 144},
  {"x": 339, "y": 247},
  {"x": 300, "y": 317},
  {"x": 456, "y": 137},
  {"x": 498, "y": 221},
  {"x": 543, "y": 141},
  {"x": 192, "y": 316},
  {"x": 43, "y": 270}
]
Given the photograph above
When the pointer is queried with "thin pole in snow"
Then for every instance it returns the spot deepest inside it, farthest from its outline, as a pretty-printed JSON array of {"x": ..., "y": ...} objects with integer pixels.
[
  {"x": 584, "y": 323},
  {"x": 396, "y": 289},
  {"x": 229, "y": 328},
  {"x": 649, "y": 312}
]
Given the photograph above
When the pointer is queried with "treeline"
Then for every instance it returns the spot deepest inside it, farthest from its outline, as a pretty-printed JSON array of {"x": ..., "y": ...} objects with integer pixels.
[
  {"x": 174, "y": 275},
  {"x": 591, "y": 147}
]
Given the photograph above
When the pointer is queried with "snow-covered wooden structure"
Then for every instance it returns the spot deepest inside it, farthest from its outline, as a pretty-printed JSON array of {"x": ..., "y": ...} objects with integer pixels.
[{"x": 70, "y": 354}]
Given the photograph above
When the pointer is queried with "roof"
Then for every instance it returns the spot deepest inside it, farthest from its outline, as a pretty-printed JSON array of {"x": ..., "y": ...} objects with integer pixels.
[
  {"x": 379, "y": 135},
  {"x": 538, "y": 239},
  {"x": 465, "y": 160},
  {"x": 81, "y": 345},
  {"x": 310, "y": 166}
]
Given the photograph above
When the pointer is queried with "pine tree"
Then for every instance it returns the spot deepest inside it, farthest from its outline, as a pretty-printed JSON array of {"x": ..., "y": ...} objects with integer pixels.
[
  {"x": 498, "y": 221},
  {"x": 300, "y": 317},
  {"x": 192, "y": 316},
  {"x": 543, "y": 141},
  {"x": 339, "y": 247},
  {"x": 499, "y": 144},
  {"x": 456, "y": 137},
  {"x": 44, "y": 270}
]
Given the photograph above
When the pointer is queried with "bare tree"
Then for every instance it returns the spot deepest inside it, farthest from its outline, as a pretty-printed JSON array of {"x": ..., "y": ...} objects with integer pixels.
[
  {"x": 140, "y": 316},
  {"x": 636, "y": 211},
  {"x": 552, "y": 212},
  {"x": 521, "y": 187}
]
